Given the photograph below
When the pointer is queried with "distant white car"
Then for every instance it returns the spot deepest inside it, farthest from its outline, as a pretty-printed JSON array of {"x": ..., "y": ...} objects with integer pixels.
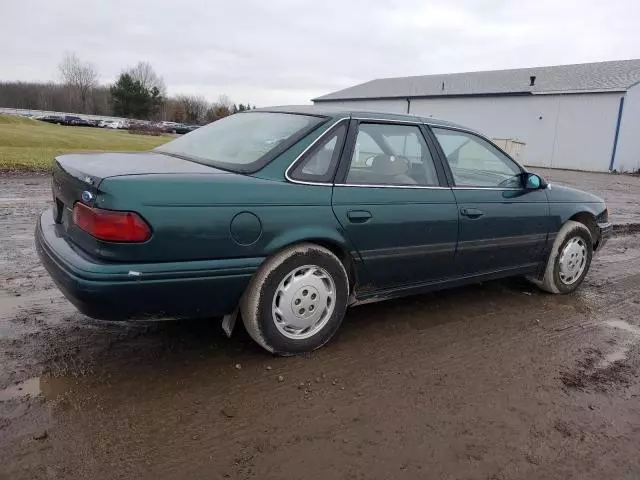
[{"x": 111, "y": 124}]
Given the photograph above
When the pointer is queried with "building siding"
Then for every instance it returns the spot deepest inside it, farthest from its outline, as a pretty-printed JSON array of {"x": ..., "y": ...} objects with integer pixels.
[
  {"x": 628, "y": 151},
  {"x": 585, "y": 131},
  {"x": 561, "y": 131},
  {"x": 503, "y": 117}
]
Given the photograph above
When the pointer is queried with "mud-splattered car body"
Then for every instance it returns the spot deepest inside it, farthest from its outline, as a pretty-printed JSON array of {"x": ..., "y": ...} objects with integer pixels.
[{"x": 188, "y": 231}]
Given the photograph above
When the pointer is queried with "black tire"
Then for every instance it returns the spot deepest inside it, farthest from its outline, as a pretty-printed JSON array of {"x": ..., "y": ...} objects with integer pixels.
[
  {"x": 256, "y": 305},
  {"x": 551, "y": 281}
]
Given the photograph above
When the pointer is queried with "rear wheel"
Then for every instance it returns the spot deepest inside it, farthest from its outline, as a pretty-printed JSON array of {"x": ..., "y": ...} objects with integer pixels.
[
  {"x": 296, "y": 301},
  {"x": 569, "y": 260}
]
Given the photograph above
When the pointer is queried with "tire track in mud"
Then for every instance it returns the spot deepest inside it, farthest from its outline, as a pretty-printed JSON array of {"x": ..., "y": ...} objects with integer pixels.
[{"x": 440, "y": 378}]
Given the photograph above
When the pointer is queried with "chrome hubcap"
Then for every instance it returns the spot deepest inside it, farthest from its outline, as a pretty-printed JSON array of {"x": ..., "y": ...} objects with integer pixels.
[
  {"x": 573, "y": 260},
  {"x": 303, "y": 302}
]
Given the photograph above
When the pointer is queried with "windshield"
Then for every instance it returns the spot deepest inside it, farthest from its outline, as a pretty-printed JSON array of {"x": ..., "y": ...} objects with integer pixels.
[{"x": 240, "y": 141}]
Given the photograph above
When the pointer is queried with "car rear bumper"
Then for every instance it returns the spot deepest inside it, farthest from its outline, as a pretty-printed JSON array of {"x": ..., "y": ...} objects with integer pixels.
[
  {"x": 605, "y": 231},
  {"x": 117, "y": 291}
]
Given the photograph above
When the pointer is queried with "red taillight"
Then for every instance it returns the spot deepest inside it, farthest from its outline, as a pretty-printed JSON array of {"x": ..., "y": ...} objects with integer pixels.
[{"x": 110, "y": 225}]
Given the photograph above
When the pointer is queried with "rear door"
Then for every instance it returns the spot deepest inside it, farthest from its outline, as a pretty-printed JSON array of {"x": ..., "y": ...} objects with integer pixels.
[
  {"x": 391, "y": 199},
  {"x": 503, "y": 226}
]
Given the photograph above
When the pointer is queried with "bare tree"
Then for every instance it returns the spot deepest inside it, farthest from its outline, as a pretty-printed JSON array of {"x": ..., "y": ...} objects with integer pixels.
[
  {"x": 221, "y": 108},
  {"x": 147, "y": 76},
  {"x": 51, "y": 96},
  {"x": 194, "y": 107},
  {"x": 224, "y": 101},
  {"x": 80, "y": 77}
]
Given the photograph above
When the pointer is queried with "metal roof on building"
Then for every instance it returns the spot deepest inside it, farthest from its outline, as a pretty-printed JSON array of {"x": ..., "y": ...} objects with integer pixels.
[{"x": 613, "y": 76}]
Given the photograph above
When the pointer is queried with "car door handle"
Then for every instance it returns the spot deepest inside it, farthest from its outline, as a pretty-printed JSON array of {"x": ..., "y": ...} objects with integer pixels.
[
  {"x": 471, "y": 212},
  {"x": 359, "y": 216}
]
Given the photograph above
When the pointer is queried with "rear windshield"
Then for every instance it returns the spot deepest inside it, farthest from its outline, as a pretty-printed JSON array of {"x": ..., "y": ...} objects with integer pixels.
[{"x": 239, "y": 142}]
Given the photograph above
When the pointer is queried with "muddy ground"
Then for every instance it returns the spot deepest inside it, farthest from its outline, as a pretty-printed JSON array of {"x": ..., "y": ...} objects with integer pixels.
[{"x": 492, "y": 381}]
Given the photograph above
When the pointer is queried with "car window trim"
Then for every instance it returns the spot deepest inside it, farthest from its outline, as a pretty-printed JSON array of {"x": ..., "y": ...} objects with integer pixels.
[
  {"x": 439, "y": 153},
  {"x": 317, "y": 145},
  {"x": 447, "y": 167},
  {"x": 347, "y": 153},
  {"x": 311, "y": 146},
  {"x": 440, "y": 170},
  {"x": 378, "y": 185},
  {"x": 439, "y": 158}
]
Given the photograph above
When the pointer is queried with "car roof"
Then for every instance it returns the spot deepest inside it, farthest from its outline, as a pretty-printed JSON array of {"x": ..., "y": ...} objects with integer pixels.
[{"x": 336, "y": 111}]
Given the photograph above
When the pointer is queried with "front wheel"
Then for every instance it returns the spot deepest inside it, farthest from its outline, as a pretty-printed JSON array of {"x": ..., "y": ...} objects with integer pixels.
[
  {"x": 569, "y": 260},
  {"x": 296, "y": 301}
]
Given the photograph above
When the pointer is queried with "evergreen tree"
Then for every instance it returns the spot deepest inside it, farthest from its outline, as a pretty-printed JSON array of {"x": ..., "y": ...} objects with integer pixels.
[{"x": 132, "y": 100}]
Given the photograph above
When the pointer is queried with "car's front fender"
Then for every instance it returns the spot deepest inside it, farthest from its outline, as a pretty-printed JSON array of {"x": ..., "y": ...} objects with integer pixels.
[
  {"x": 566, "y": 203},
  {"x": 561, "y": 212}
]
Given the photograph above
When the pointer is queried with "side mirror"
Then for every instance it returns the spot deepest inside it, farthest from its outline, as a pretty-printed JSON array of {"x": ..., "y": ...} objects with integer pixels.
[{"x": 534, "y": 182}]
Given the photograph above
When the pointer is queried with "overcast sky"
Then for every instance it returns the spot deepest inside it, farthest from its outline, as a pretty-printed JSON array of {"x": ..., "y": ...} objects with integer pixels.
[{"x": 271, "y": 52}]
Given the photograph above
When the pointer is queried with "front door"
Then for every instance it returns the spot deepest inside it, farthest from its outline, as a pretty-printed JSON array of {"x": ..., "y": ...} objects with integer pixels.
[
  {"x": 503, "y": 225},
  {"x": 392, "y": 200}
]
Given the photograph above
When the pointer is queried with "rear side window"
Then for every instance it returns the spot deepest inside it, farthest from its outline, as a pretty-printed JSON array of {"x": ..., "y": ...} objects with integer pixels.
[
  {"x": 391, "y": 154},
  {"x": 319, "y": 164}
]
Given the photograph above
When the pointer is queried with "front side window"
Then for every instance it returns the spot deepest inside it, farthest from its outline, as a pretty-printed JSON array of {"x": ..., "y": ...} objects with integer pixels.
[
  {"x": 319, "y": 164},
  {"x": 474, "y": 162},
  {"x": 238, "y": 142},
  {"x": 391, "y": 154}
]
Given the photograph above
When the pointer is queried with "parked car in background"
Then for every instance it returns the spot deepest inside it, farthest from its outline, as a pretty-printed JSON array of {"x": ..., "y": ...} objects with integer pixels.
[
  {"x": 291, "y": 215},
  {"x": 115, "y": 124},
  {"x": 174, "y": 127},
  {"x": 69, "y": 119},
  {"x": 74, "y": 121},
  {"x": 52, "y": 119},
  {"x": 182, "y": 128},
  {"x": 144, "y": 127},
  {"x": 169, "y": 127}
]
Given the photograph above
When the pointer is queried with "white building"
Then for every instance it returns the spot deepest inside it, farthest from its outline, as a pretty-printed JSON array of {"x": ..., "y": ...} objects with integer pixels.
[{"x": 584, "y": 116}]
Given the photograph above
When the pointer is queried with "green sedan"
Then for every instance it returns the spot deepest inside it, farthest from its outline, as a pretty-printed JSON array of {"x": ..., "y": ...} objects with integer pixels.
[{"x": 287, "y": 216}]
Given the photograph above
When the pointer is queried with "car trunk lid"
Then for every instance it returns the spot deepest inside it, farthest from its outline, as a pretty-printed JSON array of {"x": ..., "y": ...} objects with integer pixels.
[
  {"x": 93, "y": 167},
  {"x": 77, "y": 177}
]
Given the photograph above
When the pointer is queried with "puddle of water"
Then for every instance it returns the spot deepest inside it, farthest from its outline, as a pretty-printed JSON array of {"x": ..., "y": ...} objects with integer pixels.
[
  {"x": 621, "y": 353},
  {"x": 47, "y": 385},
  {"x": 622, "y": 325},
  {"x": 30, "y": 387},
  {"x": 615, "y": 356}
]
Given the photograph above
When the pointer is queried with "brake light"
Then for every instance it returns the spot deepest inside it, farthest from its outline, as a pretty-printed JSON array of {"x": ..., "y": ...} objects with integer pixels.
[{"x": 111, "y": 225}]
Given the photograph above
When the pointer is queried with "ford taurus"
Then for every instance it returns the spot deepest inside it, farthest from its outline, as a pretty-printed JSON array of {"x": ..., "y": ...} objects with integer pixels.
[{"x": 288, "y": 216}]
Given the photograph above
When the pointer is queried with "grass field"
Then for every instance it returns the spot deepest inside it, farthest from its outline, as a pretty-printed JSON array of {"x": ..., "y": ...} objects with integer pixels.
[{"x": 31, "y": 145}]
